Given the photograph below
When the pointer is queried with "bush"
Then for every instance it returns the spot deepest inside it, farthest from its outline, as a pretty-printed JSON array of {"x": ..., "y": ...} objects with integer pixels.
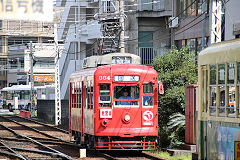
[{"x": 176, "y": 69}]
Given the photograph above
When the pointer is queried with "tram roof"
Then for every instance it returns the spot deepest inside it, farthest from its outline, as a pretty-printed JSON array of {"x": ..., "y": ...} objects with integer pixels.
[
  {"x": 227, "y": 51},
  {"x": 111, "y": 58}
]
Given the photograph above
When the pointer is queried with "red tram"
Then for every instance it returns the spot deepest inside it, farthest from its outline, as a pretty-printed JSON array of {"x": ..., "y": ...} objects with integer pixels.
[{"x": 114, "y": 107}]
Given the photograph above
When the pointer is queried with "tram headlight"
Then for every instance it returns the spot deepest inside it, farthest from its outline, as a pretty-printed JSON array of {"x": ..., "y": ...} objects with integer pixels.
[
  {"x": 104, "y": 122},
  {"x": 127, "y": 118}
]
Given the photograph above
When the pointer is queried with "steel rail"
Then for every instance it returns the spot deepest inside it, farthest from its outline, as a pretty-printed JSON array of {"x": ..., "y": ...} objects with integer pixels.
[
  {"x": 47, "y": 135},
  {"x": 44, "y": 124},
  {"x": 34, "y": 151},
  {"x": 38, "y": 143},
  {"x": 13, "y": 152},
  {"x": 8, "y": 154}
]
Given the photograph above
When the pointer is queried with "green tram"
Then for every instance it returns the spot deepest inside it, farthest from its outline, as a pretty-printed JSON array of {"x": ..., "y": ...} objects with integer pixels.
[{"x": 219, "y": 86}]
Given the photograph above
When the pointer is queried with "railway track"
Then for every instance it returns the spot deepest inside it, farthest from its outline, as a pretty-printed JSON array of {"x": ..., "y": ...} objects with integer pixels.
[
  {"x": 22, "y": 138},
  {"x": 32, "y": 140}
]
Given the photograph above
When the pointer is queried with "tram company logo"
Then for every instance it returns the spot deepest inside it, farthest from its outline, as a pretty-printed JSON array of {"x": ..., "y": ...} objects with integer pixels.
[{"x": 147, "y": 115}]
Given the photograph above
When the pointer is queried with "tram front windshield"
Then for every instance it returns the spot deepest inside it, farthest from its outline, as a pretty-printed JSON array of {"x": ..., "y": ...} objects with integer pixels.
[{"x": 127, "y": 95}]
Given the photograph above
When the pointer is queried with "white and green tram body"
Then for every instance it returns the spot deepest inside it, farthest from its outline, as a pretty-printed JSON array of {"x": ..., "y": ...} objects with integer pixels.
[{"x": 219, "y": 117}]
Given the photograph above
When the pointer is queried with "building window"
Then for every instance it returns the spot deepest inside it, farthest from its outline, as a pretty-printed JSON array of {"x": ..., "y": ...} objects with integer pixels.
[
  {"x": 189, "y": 7},
  {"x": 145, "y": 39}
]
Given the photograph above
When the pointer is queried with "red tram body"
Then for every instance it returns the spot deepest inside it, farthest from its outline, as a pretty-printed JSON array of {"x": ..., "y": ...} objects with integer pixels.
[{"x": 101, "y": 119}]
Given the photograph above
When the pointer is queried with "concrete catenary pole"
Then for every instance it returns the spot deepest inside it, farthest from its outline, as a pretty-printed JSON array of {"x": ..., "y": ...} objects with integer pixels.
[{"x": 57, "y": 82}]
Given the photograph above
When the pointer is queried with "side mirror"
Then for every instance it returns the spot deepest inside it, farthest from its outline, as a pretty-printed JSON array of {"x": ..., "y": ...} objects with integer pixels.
[{"x": 160, "y": 87}]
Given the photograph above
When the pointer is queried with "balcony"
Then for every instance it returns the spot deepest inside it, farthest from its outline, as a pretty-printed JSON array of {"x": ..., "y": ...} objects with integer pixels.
[
  {"x": 147, "y": 54},
  {"x": 154, "y": 8}
]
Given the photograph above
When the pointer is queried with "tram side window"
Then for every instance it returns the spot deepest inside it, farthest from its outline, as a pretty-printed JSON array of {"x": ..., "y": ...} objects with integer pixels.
[
  {"x": 238, "y": 83},
  {"x": 221, "y": 74},
  {"x": 231, "y": 73},
  {"x": 79, "y": 94},
  {"x": 213, "y": 101},
  {"x": 89, "y": 95},
  {"x": 213, "y": 90},
  {"x": 212, "y": 74},
  {"x": 148, "y": 88},
  {"x": 148, "y": 100},
  {"x": 104, "y": 98},
  {"x": 231, "y": 90},
  {"x": 205, "y": 89},
  {"x": 73, "y": 95},
  {"x": 238, "y": 71},
  {"x": 221, "y": 85}
]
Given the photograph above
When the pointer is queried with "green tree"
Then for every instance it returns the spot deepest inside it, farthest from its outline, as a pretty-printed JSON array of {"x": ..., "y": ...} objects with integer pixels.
[{"x": 176, "y": 69}]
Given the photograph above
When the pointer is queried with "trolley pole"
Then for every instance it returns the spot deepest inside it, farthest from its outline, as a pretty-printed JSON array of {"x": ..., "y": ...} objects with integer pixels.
[{"x": 32, "y": 82}]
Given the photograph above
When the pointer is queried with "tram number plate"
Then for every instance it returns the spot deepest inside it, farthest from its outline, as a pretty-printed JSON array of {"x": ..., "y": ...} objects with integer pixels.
[
  {"x": 105, "y": 113},
  {"x": 103, "y": 78}
]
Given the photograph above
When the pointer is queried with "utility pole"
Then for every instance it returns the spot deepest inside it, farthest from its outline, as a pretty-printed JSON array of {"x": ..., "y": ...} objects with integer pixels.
[
  {"x": 32, "y": 82},
  {"x": 204, "y": 25},
  {"x": 57, "y": 81},
  {"x": 121, "y": 20}
]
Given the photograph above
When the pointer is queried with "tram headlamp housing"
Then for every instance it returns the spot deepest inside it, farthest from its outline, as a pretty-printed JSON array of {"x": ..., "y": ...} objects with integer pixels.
[{"x": 132, "y": 78}]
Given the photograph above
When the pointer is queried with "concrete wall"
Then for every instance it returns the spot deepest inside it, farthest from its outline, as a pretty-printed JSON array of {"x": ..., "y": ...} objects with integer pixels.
[
  {"x": 190, "y": 28},
  {"x": 131, "y": 28},
  {"x": 161, "y": 36},
  {"x": 232, "y": 16},
  {"x": 46, "y": 111}
]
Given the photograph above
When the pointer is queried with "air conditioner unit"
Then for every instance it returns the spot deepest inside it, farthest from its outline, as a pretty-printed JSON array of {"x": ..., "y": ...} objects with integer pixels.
[{"x": 173, "y": 22}]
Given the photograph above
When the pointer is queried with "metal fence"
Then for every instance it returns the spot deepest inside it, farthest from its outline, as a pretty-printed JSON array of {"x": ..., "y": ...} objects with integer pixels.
[
  {"x": 147, "y": 54},
  {"x": 151, "y": 5}
]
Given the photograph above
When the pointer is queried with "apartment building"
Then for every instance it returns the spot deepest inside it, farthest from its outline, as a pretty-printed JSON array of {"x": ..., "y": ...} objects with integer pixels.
[
  {"x": 216, "y": 20},
  {"x": 191, "y": 18},
  {"x": 14, "y": 32}
]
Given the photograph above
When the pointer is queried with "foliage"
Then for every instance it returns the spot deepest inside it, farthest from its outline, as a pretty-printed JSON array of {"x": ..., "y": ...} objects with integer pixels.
[
  {"x": 176, "y": 69},
  {"x": 166, "y": 155}
]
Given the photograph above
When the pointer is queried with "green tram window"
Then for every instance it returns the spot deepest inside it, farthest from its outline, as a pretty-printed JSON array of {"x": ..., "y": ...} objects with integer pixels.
[
  {"x": 231, "y": 90},
  {"x": 231, "y": 73},
  {"x": 212, "y": 74},
  {"x": 221, "y": 74},
  {"x": 222, "y": 90},
  {"x": 213, "y": 101},
  {"x": 238, "y": 71}
]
